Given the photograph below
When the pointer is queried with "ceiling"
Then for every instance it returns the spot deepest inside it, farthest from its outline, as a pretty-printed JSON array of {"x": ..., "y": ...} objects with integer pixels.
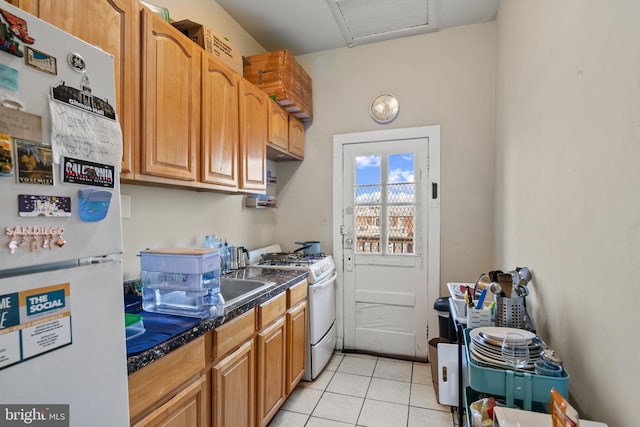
[{"x": 305, "y": 26}]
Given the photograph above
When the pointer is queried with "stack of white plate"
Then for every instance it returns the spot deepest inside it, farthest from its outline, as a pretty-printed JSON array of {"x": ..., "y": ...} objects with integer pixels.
[{"x": 485, "y": 346}]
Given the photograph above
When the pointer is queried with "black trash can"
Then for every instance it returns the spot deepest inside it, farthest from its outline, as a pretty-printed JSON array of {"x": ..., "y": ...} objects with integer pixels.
[{"x": 446, "y": 326}]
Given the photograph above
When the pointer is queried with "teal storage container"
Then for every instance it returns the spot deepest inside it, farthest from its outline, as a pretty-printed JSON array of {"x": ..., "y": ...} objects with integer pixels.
[{"x": 523, "y": 386}]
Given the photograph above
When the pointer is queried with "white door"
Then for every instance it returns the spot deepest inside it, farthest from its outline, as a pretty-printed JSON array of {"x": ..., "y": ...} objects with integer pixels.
[{"x": 388, "y": 209}]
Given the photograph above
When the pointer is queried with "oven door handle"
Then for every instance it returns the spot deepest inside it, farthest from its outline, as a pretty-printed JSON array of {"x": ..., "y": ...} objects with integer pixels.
[{"x": 324, "y": 283}]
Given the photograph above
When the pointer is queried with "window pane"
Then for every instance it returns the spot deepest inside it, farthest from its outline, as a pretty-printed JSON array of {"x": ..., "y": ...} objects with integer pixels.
[
  {"x": 368, "y": 170},
  {"x": 401, "y": 178},
  {"x": 401, "y": 229},
  {"x": 401, "y": 168},
  {"x": 367, "y": 229},
  {"x": 367, "y": 203},
  {"x": 367, "y": 194}
]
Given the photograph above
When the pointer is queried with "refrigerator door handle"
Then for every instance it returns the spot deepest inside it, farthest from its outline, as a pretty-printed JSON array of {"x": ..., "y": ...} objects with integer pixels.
[{"x": 98, "y": 259}]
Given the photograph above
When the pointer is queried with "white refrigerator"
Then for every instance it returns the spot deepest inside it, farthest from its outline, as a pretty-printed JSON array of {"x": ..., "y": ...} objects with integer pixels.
[{"x": 62, "y": 332}]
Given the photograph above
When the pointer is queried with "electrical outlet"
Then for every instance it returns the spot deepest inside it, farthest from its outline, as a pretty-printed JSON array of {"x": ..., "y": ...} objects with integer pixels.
[{"x": 125, "y": 206}]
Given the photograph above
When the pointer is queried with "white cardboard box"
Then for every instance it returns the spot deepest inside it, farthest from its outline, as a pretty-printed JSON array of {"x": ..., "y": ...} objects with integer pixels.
[
  {"x": 448, "y": 374},
  {"x": 510, "y": 417},
  {"x": 213, "y": 43}
]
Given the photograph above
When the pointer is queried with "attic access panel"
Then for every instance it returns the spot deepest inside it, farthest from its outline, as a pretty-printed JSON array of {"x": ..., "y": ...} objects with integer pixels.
[{"x": 366, "y": 21}]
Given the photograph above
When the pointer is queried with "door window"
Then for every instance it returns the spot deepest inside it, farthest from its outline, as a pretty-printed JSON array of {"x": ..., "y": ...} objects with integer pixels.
[{"x": 385, "y": 204}]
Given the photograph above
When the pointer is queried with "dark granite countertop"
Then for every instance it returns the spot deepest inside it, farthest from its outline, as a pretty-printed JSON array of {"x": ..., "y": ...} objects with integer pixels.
[{"x": 283, "y": 280}]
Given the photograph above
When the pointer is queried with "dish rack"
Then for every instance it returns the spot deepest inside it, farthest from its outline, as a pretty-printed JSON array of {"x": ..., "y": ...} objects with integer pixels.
[{"x": 532, "y": 390}]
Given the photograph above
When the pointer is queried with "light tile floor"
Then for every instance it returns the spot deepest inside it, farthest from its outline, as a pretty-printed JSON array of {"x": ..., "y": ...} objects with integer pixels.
[{"x": 362, "y": 390}]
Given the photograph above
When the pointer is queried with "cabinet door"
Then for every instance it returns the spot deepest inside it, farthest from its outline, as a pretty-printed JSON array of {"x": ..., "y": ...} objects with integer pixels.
[
  {"x": 187, "y": 408},
  {"x": 113, "y": 26},
  {"x": 170, "y": 102},
  {"x": 253, "y": 137},
  {"x": 220, "y": 125},
  {"x": 234, "y": 388},
  {"x": 296, "y": 137},
  {"x": 296, "y": 344},
  {"x": 278, "y": 126},
  {"x": 30, "y": 6},
  {"x": 271, "y": 371}
]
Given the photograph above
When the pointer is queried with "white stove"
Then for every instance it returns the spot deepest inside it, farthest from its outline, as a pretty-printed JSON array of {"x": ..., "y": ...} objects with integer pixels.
[{"x": 321, "y": 300}]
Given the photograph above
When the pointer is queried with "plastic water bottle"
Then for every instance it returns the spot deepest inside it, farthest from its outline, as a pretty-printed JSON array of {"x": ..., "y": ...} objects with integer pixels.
[
  {"x": 215, "y": 299},
  {"x": 225, "y": 255}
]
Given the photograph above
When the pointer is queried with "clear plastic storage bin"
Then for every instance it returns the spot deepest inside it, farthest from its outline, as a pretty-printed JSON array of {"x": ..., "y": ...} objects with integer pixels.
[{"x": 183, "y": 282}]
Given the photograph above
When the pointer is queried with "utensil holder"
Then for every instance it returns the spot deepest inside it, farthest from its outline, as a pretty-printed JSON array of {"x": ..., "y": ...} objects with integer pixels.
[{"x": 510, "y": 312}]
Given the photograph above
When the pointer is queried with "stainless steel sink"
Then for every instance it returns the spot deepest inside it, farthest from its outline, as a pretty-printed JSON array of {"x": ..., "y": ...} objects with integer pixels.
[{"x": 237, "y": 290}]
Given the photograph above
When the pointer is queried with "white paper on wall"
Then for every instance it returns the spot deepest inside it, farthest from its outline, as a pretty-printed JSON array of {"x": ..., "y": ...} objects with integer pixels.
[{"x": 83, "y": 135}]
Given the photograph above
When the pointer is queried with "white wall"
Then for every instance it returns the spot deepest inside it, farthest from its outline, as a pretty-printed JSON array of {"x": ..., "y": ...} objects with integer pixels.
[
  {"x": 567, "y": 181},
  {"x": 162, "y": 217},
  {"x": 444, "y": 78}
]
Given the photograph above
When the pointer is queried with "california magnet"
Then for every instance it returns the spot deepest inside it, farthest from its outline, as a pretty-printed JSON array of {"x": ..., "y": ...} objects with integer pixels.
[{"x": 75, "y": 171}]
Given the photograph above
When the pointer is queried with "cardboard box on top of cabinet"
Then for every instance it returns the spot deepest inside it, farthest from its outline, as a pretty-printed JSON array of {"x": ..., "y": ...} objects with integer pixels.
[
  {"x": 279, "y": 75},
  {"x": 212, "y": 42}
]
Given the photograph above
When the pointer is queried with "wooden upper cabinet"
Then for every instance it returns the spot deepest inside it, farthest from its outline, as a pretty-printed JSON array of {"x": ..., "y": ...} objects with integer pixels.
[
  {"x": 296, "y": 137},
  {"x": 113, "y": 26},
  {"x": 254, "y": 105},
  {"x": 220, "y": 124},
  {"x": 278, "y": 126},
  {"x": 171, "y": 84},
  {"x": 30, "y": 6}
]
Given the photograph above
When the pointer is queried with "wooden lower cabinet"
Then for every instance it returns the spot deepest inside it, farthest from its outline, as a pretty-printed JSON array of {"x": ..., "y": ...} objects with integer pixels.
[
  {"x": 233, "y": 388},
  {"x": 187, "y": 408},
  {"x": 272, "y": 390},
  {"x": 238, "y": 375},
  {"x": 171, "y": 389},
  {"x": 296, "y": 344}
]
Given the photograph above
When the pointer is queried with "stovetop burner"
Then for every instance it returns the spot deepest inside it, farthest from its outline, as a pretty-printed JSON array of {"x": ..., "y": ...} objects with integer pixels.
[{"x": 290, "y": 258}]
